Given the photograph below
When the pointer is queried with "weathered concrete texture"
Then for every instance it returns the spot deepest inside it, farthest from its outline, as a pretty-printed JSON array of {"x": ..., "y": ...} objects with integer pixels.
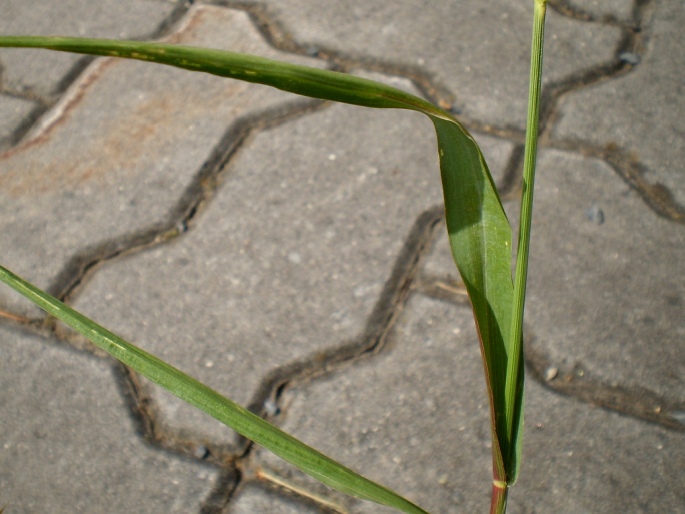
[
  {"x": 479, "y": 50},
  {"x": 640, "y": 111},
  {"x": 577, "y": 458},
  {"x": 288, "y": 259},
  {"x": 118, "y": 152},
  {"x": 606, "y": 286},
  {"x": 67, "y": 444},
  {"x": 415, "y": 418},
  {"x": 13, "y": 112},
  {"x": 41, "y": 72}
]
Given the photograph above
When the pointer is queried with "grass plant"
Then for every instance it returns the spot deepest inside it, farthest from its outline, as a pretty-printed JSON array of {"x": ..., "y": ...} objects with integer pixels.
[{"x": 479, "y": 233}]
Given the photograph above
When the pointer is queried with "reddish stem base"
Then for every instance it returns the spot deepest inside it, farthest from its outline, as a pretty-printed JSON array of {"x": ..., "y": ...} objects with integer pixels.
[{"x": 498, "y": 503}]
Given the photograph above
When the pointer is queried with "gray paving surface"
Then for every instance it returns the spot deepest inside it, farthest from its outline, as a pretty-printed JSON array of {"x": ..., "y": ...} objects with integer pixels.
[{"x": 291, "y": 254}]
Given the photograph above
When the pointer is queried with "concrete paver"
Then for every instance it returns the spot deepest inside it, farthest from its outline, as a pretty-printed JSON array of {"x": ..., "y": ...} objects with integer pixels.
[
  {"x": 582, "y": 459},
  {"x": 118, "y": 154},
  {"x": 479, "y": 50},
  {"x": 640, "y": 114},
  {"x": 68, "y": 445},
  {"x": 298, "y": 237}
]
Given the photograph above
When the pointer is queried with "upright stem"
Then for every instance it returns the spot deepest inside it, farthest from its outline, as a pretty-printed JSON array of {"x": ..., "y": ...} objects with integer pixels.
[
  {"x": 514, "y": 378},
  {"x": 530, "y": 155}
]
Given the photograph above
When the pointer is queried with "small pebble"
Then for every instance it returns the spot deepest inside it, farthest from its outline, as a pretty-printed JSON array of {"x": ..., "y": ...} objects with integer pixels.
[
  {"x": 595, "y": 214},
  {"x": 271, "y": 408},
  {"x": 201, "y": 452},
  {"x": 629, "y": 58},
  {"x": 551, "y": 373}
]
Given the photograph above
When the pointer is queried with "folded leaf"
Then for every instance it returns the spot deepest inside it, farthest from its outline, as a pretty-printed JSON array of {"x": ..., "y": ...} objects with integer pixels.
[{"x": 480, "y": 235}]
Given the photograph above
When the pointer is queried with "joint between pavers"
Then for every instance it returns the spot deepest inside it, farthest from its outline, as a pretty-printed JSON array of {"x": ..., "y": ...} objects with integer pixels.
[
  {"x": 634, "y": 40},
  {"x": 143, "y": 413},
  {"x": 569, "y": 10},
  {"x": 628, "y": 167},
  {"x": 80, "y": 267},
  {"x": 391, "y": 301},
  {"x": 224, "y": 490},
  {"x": 638, "y": 403}
]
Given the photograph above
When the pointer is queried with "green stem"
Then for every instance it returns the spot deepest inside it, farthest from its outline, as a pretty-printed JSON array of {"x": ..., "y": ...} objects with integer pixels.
[{"x": 514, "y": 369}]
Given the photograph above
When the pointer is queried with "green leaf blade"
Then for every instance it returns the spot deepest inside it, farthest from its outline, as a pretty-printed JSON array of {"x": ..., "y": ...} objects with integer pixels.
[
  {"x": 293, "y": 78},
  {"x": 480, "y": 239}
]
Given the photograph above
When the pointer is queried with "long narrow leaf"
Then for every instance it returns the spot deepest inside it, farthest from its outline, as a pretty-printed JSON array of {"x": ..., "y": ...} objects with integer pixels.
[
  {"x": 187, "y": 388},
  {"x": 515, "y": 374},
  {"x": 480, "y": 235}
]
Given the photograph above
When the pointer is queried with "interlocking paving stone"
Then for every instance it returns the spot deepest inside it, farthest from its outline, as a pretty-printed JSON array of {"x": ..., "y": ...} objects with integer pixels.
[
  {"x": 42, "y": 72},
  {"x": 640, "y": 111},
  {"x": 69, "y": 445},
  {"x": 415, "y": 418},
  {"x": 289, "y": 257},
  {"x": 121, "y": 148},
  {"x": 607, "y": 295},
  {"x": 479, "y": 50},
  {"x": 13, "y": 112}
]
